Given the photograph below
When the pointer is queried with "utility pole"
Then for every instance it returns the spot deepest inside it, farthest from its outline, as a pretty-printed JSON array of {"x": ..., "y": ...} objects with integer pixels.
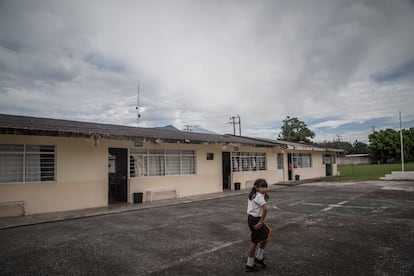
[
  {"x": 402, "y": 145},
  {"x": 234, "y": 123},
  {"x": 189, "y": 128}
]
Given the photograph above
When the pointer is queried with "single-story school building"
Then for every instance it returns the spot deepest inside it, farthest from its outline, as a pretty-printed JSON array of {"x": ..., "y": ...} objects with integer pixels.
[{"x": 49, "y": 165}]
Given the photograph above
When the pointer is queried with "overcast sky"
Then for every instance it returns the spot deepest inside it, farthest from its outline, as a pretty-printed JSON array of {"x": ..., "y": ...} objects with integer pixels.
[{"x": 343, "y": 67}]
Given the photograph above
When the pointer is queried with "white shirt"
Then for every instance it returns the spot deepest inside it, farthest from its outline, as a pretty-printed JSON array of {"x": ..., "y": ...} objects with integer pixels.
[{"x": 254, "y": 206}]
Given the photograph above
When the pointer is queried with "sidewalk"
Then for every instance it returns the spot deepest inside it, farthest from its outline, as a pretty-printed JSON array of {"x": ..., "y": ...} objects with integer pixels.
[{"x": 10, "y": 222}]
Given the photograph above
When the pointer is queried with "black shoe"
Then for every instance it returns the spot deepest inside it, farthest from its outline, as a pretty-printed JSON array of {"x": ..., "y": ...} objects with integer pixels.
[
  {"x": 260, "y": 263},
  {"x": 250, "y": 268}
]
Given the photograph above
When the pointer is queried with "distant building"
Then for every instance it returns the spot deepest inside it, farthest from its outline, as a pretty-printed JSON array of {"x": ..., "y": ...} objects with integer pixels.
[
  {"x": 354, "y": 159},
  {"x": 49, "y": 165}
]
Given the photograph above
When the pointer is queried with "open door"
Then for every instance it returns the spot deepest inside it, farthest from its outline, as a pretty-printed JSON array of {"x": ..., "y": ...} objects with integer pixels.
[
  {"x": 118, "y": 175},
  {"x": 225, "y": 157}
]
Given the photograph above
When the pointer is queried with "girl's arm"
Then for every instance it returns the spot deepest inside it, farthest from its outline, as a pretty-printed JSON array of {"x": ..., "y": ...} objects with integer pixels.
[{"x": 261, "y": 221}]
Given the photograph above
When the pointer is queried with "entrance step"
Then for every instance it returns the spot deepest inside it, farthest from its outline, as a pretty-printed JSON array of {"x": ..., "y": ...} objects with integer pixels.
[{"x": 399, "y": 176}]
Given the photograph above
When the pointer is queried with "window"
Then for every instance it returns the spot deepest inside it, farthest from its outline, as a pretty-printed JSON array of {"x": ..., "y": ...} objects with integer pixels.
[
  {"x": 160, "y": 162},
  {"x": 188, "y": 162},
  {"x": 328, "y": 159},
  {"x": 156, "y": 163},
  {"x": 210, "y": 156},
  {"x": 280, "y": 161},
  {"x": 302, "y": 160},
  {"x": 248, "y": 161},
  {"x": 27, "y": 163}
]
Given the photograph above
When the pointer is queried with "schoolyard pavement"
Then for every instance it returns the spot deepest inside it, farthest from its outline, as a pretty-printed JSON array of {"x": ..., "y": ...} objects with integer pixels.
[{"x": 321, "y": 228}]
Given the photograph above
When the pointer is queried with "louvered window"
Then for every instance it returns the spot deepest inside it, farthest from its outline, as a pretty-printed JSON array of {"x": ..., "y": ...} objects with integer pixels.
[{"x": 27, "y": 163}]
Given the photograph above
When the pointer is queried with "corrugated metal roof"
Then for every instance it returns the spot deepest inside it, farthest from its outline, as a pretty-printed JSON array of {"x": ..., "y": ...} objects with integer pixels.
[
  {"x": 298, "y": 146},
  {"x": 23, "y": 125}
]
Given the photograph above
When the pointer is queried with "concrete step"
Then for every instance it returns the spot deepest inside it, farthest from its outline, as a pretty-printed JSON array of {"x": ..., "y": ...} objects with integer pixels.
[{"x": 397, "y": 175}]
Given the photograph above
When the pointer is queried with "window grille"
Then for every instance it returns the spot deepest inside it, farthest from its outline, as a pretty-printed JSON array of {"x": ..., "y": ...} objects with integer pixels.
[
  {"x": 249, "y": 161},
  {"x": 161, "y": 162},
  {"x": 188, "y": 164},
  {"x": 280, "y": 165},
  {"x": 27, "y": 163},
  {"x": 173, "y": 164},
  {"x": 302, "y": 160}
]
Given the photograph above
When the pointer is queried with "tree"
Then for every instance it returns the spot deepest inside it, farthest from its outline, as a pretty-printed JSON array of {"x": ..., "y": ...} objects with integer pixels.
[
  {"x": 345, "y": 146},
  {"x": 359, "y": 147},
  {"x": 385, "y": 145},
  {"x": 294, "y": 130}
]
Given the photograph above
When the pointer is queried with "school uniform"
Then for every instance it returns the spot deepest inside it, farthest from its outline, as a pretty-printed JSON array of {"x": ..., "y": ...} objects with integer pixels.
[{"x": 254, "y": 211}]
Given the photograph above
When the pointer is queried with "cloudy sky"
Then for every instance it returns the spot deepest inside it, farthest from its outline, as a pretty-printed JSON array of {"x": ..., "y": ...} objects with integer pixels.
[{"x": 343, "y": 67}]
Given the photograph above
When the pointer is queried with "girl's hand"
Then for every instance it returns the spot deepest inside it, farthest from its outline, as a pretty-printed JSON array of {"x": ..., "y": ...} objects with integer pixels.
[{"x": 258, "y": 226}]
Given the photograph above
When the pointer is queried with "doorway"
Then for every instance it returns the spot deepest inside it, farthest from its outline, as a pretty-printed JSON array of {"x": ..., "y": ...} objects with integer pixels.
[
  {"x": 226, "y": 165},
  {"x": 118, "y": 175},
  {"x": 290, "y": 167},
  {"x": 328, "y": 160},
  {"x": 328, "y": 169}
]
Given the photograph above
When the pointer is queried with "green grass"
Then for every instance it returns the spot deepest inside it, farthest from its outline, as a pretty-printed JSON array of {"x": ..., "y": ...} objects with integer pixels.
[{"x": 369, "y": 172}]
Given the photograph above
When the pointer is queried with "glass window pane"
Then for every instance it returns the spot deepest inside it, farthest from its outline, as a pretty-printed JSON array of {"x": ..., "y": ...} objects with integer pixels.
[
  {"x": 11, "y": 168},
  {"x": 156, "y": 166},
  {"x": 173, "y": 165},
  {"x": 32, "y": 168},
  {"x": 188, "y": 165}
]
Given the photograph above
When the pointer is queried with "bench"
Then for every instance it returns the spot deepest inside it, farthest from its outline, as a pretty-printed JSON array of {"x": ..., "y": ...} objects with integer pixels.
[
  {"x": 20, "y": 203},
  {"x": 166, "y": 190}
]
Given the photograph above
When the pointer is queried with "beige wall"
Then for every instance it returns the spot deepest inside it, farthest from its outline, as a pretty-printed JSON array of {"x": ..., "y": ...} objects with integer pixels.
[
  {"x": 318, "y": 168},
  {"x": 247, "y": 178},
  {"x": 208, "y": 177},
  {"x": 82, "y": 174}
]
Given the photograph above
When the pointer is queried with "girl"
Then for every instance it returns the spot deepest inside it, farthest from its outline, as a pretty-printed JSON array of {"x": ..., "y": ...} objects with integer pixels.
[{"x": 260, "y": 232}]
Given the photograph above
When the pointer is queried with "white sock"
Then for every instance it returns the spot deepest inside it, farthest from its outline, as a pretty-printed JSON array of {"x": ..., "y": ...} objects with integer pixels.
[
  {"x": 250, "y": 261},
  {"x": 259, "y": 253}
]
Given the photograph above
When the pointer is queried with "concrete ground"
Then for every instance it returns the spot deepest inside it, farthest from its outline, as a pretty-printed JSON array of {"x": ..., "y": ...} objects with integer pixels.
[{"x": 322, "y": 228}]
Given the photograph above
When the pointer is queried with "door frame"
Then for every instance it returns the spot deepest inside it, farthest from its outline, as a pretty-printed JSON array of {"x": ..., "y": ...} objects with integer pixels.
[
  {"x": 118, "y": 175},
  {"x": 290, "y": 166},
  {"x": 226, "y": 169}
]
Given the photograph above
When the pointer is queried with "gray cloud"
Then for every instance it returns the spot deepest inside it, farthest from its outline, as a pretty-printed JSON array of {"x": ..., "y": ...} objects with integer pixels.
[{"x": 200, "y": 62}]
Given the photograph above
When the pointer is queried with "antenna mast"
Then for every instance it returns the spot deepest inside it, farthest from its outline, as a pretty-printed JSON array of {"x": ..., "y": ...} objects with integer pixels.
[{"x": 137, "y": 107}]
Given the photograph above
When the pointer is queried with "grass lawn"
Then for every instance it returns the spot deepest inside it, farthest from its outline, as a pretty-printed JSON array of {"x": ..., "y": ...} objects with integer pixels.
[{"x": 369, "y": 172}]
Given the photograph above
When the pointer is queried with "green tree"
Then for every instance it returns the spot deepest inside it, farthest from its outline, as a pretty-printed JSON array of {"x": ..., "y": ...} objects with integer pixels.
[
  {"x": 359, "y": 147},
  {"x": 294, "y": 130},
  {"x": 385, "y": 145},
  {"x": 346, "y": 146},
  {"x": 408, "y": 138}
]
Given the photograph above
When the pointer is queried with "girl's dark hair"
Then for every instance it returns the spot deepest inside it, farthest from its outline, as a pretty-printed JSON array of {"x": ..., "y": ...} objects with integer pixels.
[{"x": 258, "y": 183}]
